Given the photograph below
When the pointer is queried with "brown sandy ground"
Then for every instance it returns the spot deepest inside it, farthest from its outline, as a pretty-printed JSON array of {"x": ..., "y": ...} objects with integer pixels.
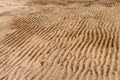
[{"x": 59, "y": 40}]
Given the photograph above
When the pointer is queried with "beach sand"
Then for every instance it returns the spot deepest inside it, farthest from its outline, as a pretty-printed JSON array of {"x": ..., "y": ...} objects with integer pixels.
[{"x": 59, "y": 40}]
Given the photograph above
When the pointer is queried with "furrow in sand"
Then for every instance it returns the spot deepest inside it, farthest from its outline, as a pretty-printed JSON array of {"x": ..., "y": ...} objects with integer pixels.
[
  {"x": 80, "y": 56},
  {"x": 64, "y": 31},
  {"x": 23, "y": 45},
  {"x": 19, "y": 37},
  {"x": 17, "y": 33},
  {"x": 93, "y": 69},
  {"x": 43, "y": 52},
  {"x": 110, "y": 48},
  {"x": 80, "y": 43},
  {"x": 12, "y": 50},
  {"x": 30, "y": 27},
  {"x": 20, "y": 61},
  {"x": 14, "y": 60},
  {"x": 58, "y": 30},
  {"x": 79, "y": 34},
  {"x": 75, "y": 31},
  {"x": 118, "y": 55},
  {"x": 88, "y": 58},
  {"x": 12, "y": 74},
  {"x": 104, "y": 57},
  {"x": 60, "y": 39},
  {"x": 99, "y": 52},
  {"x": 95, "y": 51},
  {"x": 111, "y": 51},
  {"x": 81, "y": 47},
  {"x": 54, "y": 64},
  {"x": 94, "y": 72},
  {"x": 49, "y": 59},
  {"x": 104, "y": 54},
  {"x": 115, "y": 52},
  {"x": 44, "y": 71},
  {"x": 23, "y": 38},
  {"x": 98, "y": 14}
]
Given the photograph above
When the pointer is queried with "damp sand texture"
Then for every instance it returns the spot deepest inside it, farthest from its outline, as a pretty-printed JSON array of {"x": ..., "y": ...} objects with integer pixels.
[{"x": 60, "y": 40}]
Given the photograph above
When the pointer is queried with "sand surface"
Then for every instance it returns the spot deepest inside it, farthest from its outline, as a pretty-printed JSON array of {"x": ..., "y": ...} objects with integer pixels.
[{"x": 59, "y": 40}]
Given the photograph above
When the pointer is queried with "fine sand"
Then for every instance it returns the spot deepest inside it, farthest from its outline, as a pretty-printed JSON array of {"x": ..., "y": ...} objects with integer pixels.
[{"x": 59, "y": 39}]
